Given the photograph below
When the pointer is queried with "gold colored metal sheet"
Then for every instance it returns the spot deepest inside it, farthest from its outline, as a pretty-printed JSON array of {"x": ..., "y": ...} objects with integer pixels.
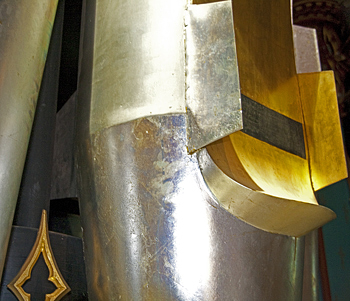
[
  {"x": 265, "y": 51},
  {"x": 268, "y": 76},
  {"x": 41, "y": 245},
  {"x": 322, "y": 128},
  {"x": 266, "y": 212},
  {"x": 275, "y": 171}
]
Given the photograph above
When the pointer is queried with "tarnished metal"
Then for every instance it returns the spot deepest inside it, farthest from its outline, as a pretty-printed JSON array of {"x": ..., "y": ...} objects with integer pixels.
[
  {"x": 25, "y": 30},
  {"x": 153, "y": 231},
  {"x": 212, "y": 91},
  {"x": 152, "y": 228}
]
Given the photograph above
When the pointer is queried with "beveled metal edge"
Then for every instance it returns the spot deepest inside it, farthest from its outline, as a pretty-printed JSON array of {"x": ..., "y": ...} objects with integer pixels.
[{"x": 263, "y": 211}]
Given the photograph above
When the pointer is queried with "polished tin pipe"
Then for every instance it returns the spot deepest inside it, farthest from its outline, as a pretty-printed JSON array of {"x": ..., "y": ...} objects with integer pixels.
[
  {"x": 25, "y": 30},
  {"x": 152, "y": 228}
]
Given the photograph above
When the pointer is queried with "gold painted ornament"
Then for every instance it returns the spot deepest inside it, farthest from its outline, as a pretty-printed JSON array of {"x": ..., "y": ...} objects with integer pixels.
[{"x": 41, "y": 245}]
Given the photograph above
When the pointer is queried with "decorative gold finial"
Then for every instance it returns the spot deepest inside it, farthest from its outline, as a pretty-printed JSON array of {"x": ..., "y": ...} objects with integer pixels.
[{"x": 41, "y": 245}]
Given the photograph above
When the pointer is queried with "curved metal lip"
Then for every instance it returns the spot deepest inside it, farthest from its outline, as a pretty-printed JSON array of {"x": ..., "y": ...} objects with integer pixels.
[{"x": 263, "y": 211}]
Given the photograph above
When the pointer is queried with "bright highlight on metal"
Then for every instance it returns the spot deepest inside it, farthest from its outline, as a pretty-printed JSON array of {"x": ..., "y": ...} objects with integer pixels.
[
  {"x": 41, "y": 246},
  {"x": 152, "y": 228},
  {"x": 138, "y": 72},
  {"x": 266, "y": 212}
]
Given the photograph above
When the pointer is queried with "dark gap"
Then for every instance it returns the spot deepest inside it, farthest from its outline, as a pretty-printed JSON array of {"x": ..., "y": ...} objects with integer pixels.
[
  {"x": 65, "y": 217},
  {"x": 70, "y": 51}
]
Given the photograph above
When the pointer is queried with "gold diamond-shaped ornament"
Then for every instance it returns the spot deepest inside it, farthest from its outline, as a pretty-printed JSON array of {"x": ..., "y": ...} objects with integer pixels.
[{"x": 41, "y": 245}]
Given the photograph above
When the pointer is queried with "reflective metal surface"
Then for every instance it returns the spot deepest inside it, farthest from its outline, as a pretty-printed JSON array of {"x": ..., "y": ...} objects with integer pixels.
[
  {"x": 265, "y": 52},
  {"x": 138, "y": 59},
  {"x": 212, "y": 91},
  {"x": 272, "y": 214},
  {"x": 153, "y": 231},
  {"x": 25, "y": 30},
  {"x": 311, "y": 279},
  {"x": 268, "y": 76},
  {"x": 320, "y": 108},
  {"x": 322, "y": 128},
  {"x": 307, "y": 60}
]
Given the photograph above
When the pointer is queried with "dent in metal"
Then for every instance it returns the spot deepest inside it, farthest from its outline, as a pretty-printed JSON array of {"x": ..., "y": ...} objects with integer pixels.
[
  {"x": 212, "y": 84},
  {"x": 25, "y": 31}
]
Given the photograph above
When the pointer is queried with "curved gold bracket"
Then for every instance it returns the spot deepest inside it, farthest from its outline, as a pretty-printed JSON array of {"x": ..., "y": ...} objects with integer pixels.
[
  {"x": 41, "y": 245},
  {"x": 263, "y": 211}
]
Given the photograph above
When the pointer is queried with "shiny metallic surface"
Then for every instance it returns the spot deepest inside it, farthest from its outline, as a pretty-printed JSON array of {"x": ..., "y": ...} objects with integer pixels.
[
  {"x": 311, "y": 279},
  {"x": 265, "y": 52},
  {"x": 138, "y": 61},
  {"x": 266, "y": 212},
  {"x": 307, "y": 60},
  {"x": 213, "y": 95},
  {"x": 275, "y": 171},
  {"x": 25, "y": 30},
  {"x": 322, "y": 128},
  {"x": 153, "y": 230},
  {"x": 268, "y": 75},
  {"x": 307, "y": 57}
]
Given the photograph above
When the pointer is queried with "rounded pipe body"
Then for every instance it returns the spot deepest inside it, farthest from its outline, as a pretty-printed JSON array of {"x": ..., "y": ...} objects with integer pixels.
[
  {"x": 152, "y": 228},
  {"x": 25, "y": 32}
]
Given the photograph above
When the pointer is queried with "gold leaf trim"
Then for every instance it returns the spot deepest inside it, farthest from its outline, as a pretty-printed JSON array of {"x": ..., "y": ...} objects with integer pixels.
[{"x": 41, "y": 245}]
